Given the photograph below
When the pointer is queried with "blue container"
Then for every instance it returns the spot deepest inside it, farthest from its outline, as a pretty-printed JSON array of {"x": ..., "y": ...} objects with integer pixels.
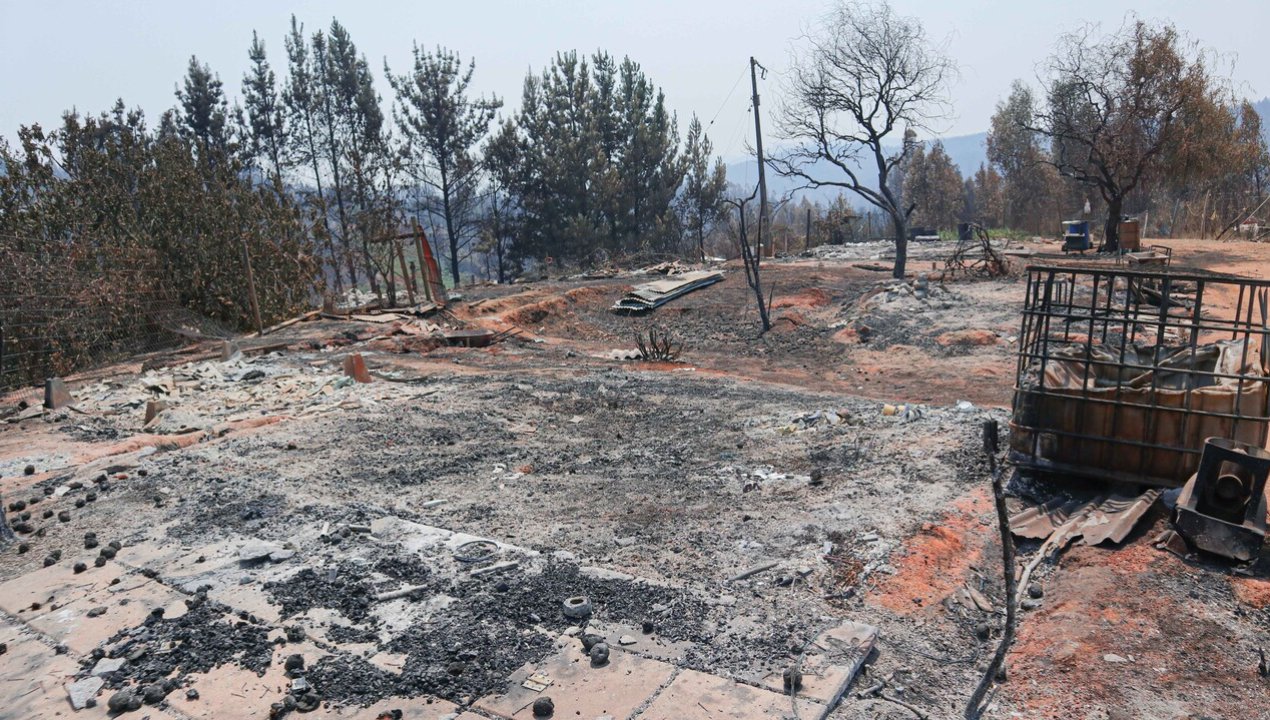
[{"x": 1076, "y": 236}]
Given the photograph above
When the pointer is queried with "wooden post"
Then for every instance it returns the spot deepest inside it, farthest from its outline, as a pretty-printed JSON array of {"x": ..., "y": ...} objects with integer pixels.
[
  {"x": 391, "y": 280},
  {"x": 975, "y": 708},
  {"x": 409, "y": 278},
  {"x": 251, "y": 288},
  {"x": 423, "y": 264}
]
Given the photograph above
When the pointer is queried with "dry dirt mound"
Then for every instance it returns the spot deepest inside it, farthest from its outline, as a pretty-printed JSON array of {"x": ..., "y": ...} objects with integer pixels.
[
  {"x": 810, "y": 298},
  {"x": 534, "y": 306},
  {"x": 536, "y": 312},
  {"x": 788, "y": 322},
  {"x": 967, "y": 337},
  {"x": 585, "y": 294}
]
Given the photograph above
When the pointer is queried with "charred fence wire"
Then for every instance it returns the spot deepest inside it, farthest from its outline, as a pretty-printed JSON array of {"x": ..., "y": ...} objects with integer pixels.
[{"x": 69, "y": 308}]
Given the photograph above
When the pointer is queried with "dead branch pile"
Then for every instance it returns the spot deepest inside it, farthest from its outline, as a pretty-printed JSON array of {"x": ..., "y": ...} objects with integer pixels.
[
  {"x": 975, "y": 255},
  {"x": 658, "y": 345}
]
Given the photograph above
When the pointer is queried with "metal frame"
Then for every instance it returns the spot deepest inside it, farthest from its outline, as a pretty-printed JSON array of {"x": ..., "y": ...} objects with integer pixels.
[
  {"x": 1163, "y": 257},
  {"x": 1116, "y": 309}
]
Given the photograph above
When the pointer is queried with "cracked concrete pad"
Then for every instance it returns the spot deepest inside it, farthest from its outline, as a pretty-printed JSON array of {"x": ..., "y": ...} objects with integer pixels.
[
  {"x": 179, "y": 564},
  {"x": 650, "y": 646},
  {"x": 128, "y": 605},
  {"x": 411, "y": 709},
  {"x": 580, "y": 690},
  {"x": 31, "y": 676},
  {"x": 832, "y": 662},
  {"x": 698, "y": 696},
  {"x": 83, "y": 691},
  {"x": 257, "y": 551},
  {"x": 820, "y": 680},
  {"x": 58, "y": 582},
  {"x": 251, "y": 598},
  {"x": 105, "y": 666},
  {"x": 232, "y": 692}
]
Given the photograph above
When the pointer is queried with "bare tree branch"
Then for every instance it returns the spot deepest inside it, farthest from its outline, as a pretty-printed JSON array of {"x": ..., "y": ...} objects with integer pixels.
[{"x": 866, "y": 74}]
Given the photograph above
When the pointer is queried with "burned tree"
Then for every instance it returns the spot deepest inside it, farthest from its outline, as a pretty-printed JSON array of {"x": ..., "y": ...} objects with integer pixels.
[
  {"x": 856, "y": 87},
  {"x": 1117, "y": 105},
  {"x": 751, "y": 256}
]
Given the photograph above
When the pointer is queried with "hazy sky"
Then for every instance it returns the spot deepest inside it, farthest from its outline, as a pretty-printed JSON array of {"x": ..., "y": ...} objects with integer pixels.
[{"x": 56, "y": 55}]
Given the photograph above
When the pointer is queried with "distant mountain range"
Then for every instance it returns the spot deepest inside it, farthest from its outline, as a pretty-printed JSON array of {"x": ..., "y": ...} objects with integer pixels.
[{"x": 966, "y": 151}]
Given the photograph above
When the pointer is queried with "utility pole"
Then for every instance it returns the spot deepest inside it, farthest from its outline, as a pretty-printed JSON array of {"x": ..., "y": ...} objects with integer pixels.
[{"x": 758, "y": 146}]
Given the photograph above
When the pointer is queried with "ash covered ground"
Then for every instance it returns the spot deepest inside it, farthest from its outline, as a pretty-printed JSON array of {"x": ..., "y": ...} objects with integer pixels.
[{"x": 646, "y": 487}]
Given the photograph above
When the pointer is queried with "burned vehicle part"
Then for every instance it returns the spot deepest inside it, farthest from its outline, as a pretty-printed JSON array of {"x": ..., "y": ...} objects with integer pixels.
[{"x": 1222, "y": 508}]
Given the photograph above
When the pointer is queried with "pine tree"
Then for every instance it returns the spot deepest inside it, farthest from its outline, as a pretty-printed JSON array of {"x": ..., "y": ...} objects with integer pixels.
[
  {"x": 325, "y": 85},
  {"x": 265, "y": 125},
  {"x": 601, "y": 166},
  {"x": 304, "y": 143},
  {"x": 701, "y": 201},
  {"x": 501, "y": 222},
  {"x": 933, "y": 185},
  {"x": 442, "y": 128},
  {"x": 559, "y": 181},
  {"x": 204, "y": 111},
  {"x": 987, "y": 190},
  {"x": 649, "y": 168}
]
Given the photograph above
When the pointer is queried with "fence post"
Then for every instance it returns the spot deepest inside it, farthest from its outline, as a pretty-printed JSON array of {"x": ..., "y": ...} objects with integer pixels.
[{"x": 251, "y": 288}]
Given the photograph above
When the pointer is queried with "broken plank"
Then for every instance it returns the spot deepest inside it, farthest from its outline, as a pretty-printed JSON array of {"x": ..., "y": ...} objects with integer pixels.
[
  {"x": 399, "y": 593},
  {"x": 855, "y": 641},
  {"x": 378, "y": 319},
  {"x": 753, "y": 571},
  {"x": 288, "y": 323},
  {"x": 496, "y": 567}
]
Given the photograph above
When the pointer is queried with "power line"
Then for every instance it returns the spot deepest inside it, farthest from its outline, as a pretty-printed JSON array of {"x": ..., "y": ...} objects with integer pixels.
[{"x": 726, "y": 99}]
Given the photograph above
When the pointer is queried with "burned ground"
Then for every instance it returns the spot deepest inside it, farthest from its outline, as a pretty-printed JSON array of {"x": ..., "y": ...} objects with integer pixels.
[{"x": 646, "y": 487}]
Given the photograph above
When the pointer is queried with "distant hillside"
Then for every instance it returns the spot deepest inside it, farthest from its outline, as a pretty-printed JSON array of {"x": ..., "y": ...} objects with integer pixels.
[{"x": 966, "y": 151}]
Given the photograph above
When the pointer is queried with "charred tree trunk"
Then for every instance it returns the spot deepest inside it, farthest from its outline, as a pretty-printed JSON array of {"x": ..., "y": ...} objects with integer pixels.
[
  {"x": 498, "y": 251},
  {"x": 900, "y": 224},
  {"x": 449, "y": 225},
  {"x": 1111, "y": 231}
]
